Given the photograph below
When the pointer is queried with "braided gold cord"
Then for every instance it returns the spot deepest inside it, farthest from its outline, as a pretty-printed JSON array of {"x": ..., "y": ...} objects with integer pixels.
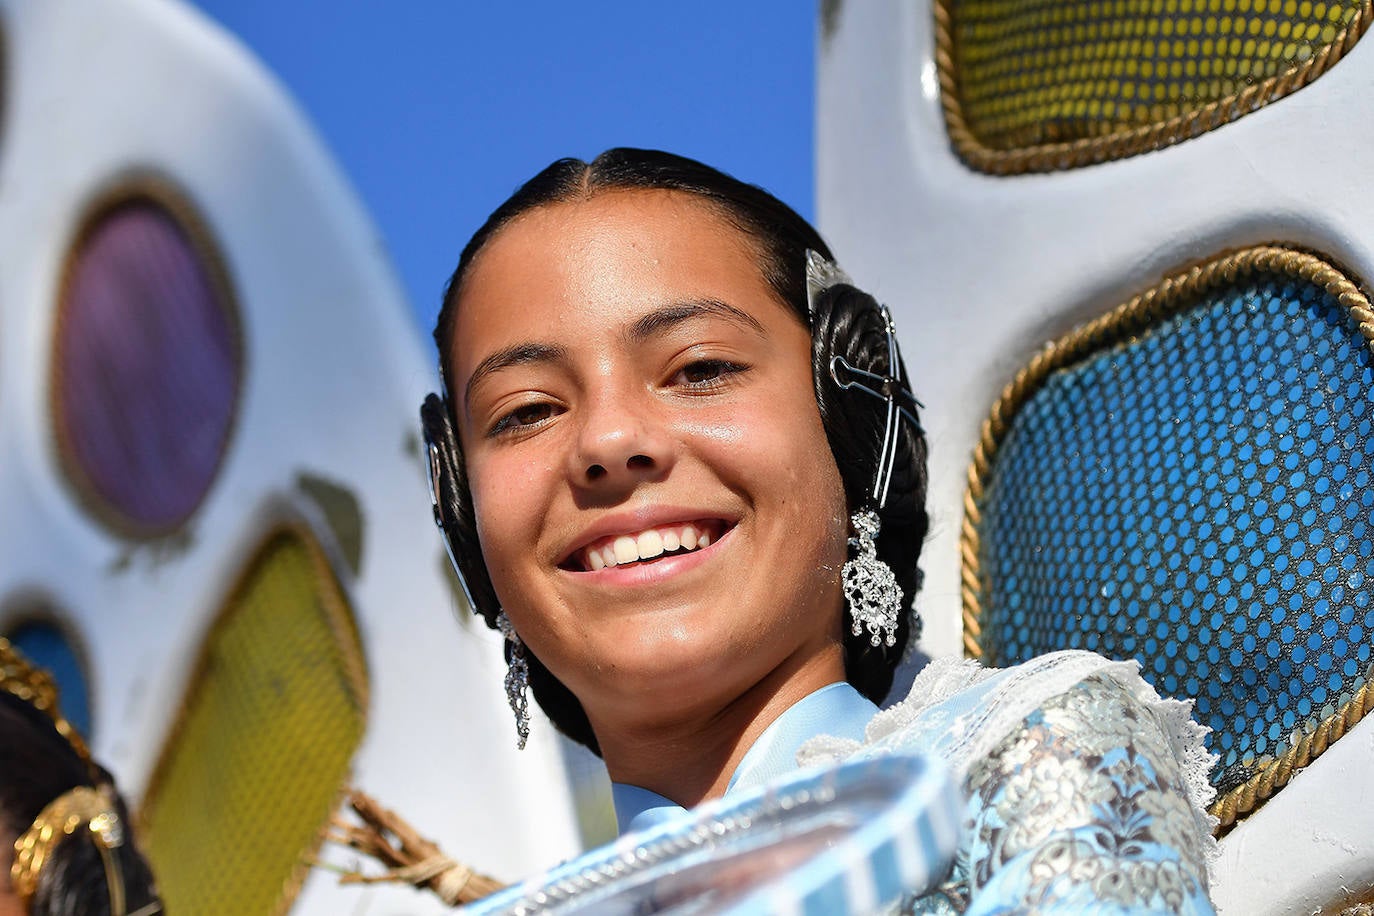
[
  {"x": 1171, "y": 296},
  {"x": 1247, "y": 796},
  {"x": 82, "y": 808},
  {"x": 1130, "y": 141},
  {"x": 36, "y": 687}
]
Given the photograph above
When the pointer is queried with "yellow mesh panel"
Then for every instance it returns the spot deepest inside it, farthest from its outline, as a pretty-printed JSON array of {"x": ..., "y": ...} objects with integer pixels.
[
  {"x": 1129, "y": 74},
  {"x": 255, "y": 764}
]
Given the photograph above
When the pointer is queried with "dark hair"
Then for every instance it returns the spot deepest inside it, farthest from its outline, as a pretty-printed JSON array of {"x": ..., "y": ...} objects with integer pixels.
[
  {"x": 844, "y": 321},
  {"x": 37, "y": 764}
]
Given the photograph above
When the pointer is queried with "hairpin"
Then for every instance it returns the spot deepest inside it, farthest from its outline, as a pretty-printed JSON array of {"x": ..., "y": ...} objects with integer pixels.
[
  {"x": 434, "y": 413},
  {"x": 889, "y": 388}
]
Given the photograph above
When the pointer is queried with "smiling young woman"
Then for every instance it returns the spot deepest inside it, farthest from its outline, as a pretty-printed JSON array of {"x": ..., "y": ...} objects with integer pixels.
[
  {"x": 628, "y": 378},
  {"x": 689, "y": 487}
]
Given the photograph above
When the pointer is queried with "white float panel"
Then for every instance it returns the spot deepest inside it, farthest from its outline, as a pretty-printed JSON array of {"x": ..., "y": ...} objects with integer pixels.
[
  {"x": 981, "y": 271},
  {"x": 334, "y": 372}
]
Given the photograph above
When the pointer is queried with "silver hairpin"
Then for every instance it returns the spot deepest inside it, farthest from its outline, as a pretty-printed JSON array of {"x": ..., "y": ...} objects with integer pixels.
[
  {"x": 889, "y": 387},
  {"x": 435, "y": 472}
]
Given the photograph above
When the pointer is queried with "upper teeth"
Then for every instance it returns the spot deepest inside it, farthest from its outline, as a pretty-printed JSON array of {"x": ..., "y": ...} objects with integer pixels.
[{"x": 644, "y": 546}]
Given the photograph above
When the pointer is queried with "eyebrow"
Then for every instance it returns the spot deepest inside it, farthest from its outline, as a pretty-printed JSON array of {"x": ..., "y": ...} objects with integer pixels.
[
  {"x": 517, "y": 355},
  {"x": 656, "y": 322},
  {"x": 661, "y": 319}
]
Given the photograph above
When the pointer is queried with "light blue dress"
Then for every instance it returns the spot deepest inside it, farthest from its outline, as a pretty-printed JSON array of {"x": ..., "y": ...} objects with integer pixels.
[{"x": 1085, "y": 791}]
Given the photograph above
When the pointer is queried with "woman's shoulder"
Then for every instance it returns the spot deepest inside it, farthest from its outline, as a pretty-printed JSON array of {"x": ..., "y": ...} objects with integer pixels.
[
  {"x": 1070, "y": 745},
  {"x": 1103, "y": 777},
  {"x": 960, "y": 710}
]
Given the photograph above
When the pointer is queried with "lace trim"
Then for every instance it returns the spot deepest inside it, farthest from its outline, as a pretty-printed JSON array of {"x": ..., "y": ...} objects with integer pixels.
[
  {"x": 973, "y": 733},
  {"x": 1187, "y": 738}
]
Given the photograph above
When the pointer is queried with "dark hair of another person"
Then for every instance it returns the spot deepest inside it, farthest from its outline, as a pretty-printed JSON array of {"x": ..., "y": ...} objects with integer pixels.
[
  {"x": 37, "y": 765},
  {"x": 846, "y": 322}
]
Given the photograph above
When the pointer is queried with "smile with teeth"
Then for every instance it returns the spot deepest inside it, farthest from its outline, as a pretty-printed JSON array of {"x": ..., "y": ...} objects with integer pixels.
[{"x": 649, "y": 544}]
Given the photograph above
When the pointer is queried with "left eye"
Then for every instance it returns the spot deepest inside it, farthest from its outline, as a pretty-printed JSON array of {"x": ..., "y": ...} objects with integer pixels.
[
  {"x": 707, "y": 373},
  {"x": 524, "y": 417}
]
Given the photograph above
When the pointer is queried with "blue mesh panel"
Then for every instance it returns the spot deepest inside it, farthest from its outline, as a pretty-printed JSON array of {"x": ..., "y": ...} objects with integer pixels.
[
  {"x": 1199, "y": 498},
  {"x": 46, "y": 646}
]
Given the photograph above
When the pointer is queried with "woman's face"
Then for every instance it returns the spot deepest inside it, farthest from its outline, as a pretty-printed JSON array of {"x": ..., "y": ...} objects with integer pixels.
[{"x": 656, "y": 500}]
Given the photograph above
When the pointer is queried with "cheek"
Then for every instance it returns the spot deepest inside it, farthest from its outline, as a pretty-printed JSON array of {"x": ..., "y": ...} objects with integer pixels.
[
  {"x": 814, "y": 493},
  {"x": 775, "y": 452},
  {"x": 816, "y": 499},
  {"x": 509, "y": 498},
  {"x": 721, "y": 433}
]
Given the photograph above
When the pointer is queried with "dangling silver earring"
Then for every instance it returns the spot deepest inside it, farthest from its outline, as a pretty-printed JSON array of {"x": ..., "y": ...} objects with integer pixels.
[
  {"x": 870, "y": 588},
  {"x": 517, "y": 679}
]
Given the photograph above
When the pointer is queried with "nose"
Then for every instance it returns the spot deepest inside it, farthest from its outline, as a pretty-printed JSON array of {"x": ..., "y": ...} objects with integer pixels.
[{"x": 621, "y": 442}]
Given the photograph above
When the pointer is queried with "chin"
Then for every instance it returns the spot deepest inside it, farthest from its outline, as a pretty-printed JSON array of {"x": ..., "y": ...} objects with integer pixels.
[{"x": 673, "y": 660}]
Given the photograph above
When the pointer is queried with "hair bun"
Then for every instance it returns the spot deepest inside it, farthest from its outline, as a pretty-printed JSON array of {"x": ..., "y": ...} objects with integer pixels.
[{"x": 847, "y": 322}]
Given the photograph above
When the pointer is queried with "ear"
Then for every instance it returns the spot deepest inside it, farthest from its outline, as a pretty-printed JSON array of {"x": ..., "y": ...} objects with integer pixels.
[{"x": 446, "y": 490}]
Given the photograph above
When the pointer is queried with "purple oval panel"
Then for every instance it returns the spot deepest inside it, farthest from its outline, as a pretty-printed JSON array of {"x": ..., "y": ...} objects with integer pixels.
[{"x": 146, "y": 371}]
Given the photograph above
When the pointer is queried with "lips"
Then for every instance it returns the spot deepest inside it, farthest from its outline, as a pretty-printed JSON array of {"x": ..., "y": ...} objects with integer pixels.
[{"x": 646, "y": 545}]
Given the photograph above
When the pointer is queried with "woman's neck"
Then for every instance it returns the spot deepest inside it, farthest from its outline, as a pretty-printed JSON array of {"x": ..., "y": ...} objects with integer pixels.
[{"x": 691, "y": 758}]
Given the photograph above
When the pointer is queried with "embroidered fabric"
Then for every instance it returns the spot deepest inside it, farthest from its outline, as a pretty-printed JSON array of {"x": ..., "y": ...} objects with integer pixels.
[
  {"x": 1086, "y": 790},
  {"x": 1085, "y": 805}
]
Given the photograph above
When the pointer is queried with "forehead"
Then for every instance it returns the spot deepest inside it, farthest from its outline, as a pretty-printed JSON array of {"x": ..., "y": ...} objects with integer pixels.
[
  {"x": 608, "y": 257},
  {"x": 653, "y": 225}
]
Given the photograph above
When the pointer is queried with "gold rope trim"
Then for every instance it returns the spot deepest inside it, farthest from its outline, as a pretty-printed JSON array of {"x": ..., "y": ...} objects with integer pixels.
[
  {"x": 1131, "y": 141},
  {"x": 1173, "y": 295},
  {"x": 36, "y": 687},
  {"x": 1244, "y": 798}
]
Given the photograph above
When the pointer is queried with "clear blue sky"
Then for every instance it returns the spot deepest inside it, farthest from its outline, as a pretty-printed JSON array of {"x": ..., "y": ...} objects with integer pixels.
[{"x": 438, "y": 109}]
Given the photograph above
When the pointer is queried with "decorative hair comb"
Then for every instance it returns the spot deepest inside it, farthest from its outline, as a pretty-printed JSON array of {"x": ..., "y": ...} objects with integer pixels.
[
  {"x": 83, "y": 808},
  {"x": 822, "y": 274},
  {"x": 872, "y": 595},
  {"x": 78, "y": 809}
]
